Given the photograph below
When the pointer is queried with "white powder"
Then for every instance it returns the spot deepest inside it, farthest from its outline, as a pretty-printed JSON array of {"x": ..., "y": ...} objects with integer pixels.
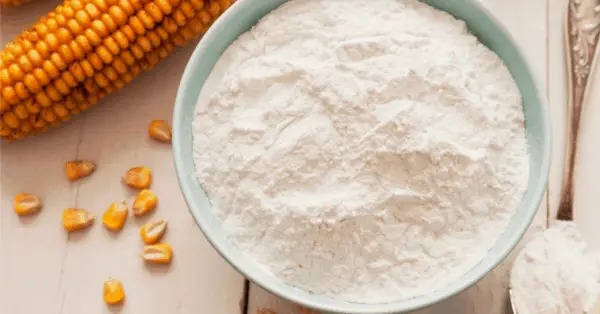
[
  {"x": 368, "y": 150},
  {"x": 556, "y": 273}
]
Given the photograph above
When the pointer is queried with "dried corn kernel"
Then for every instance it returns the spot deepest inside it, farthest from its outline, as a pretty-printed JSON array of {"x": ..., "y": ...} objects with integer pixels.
[
  {"x": 138, "y": 177},
  {"x": 153, "y": 231},
  {"x": 115, "y": 216},
  {"x": 80, "y": 53},
  {"x": 27, "y": 204},
  {"x": 158, "y": 253},
  {"x": 113, "y": 292},
  {"x": 78, "y": 169},
  {"x": 144, "y": 202},
  {"x": 160, "y": 131},
  {"x": 76, "y": 219}
]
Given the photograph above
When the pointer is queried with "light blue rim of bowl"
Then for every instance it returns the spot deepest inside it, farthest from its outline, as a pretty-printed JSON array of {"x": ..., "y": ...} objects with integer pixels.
[{"x": 240, "y": 18}]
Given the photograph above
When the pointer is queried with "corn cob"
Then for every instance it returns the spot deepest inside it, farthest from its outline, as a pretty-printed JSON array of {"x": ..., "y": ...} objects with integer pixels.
[
  {"x": 85, "y": 50},
  {"x": 25, "y": 73}
]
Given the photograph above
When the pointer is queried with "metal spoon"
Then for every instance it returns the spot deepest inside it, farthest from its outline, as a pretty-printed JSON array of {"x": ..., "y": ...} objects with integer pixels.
[{"x": 582, "y": 27}]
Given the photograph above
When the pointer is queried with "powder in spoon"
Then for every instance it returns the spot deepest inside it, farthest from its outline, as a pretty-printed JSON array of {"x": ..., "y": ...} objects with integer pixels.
[{"x": 556, "y": 273}]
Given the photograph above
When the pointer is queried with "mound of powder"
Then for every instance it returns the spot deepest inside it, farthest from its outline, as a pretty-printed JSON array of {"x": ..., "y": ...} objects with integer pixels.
[
  {"x": 556, "y": 273},
  {"x": 368, "y": 150}
]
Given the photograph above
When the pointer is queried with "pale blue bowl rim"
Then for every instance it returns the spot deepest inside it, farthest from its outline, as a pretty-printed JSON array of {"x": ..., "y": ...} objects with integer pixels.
[{"x": 184, "y": 165}]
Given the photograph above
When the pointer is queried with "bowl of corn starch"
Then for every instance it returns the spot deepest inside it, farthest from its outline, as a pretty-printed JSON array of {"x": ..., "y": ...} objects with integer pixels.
[{"x": 361, "y": 156}]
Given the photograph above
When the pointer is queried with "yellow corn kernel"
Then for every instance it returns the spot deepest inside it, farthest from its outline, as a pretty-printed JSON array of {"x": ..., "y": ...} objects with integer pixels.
[
  {"x": 78, "y": 169},
  {"x": 144, "y": 202},
  {"x": 76, "y": 219},
  {"x": 160, "y": 131},
  {"x": 115, "y": 216},
  {"x": 11, "y": 120},
  {"x": 113, "y": 291},
  {"x": 138, "y": 177},
  {"x": 153, "y": 231},
  {"x": 27, "y": 204},
  {"x": 161, "y": 253}
]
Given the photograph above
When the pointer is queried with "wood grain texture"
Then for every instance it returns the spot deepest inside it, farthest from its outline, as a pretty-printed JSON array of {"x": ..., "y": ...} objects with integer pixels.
[
  {"x": 557, "y": 98},
  {"x": 527, "y": 22},
  {"x": 43, "y": 270}
]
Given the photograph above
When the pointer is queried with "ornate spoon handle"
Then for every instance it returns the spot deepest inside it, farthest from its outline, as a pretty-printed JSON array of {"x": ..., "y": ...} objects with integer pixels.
[{"x": 582, "y": 28}]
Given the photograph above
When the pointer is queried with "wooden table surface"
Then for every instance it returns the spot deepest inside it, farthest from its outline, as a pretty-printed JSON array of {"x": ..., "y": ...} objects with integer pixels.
[{"x": 45, "y": 271}]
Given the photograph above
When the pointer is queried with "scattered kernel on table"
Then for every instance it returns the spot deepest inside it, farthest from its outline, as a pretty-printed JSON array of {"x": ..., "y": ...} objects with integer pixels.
[
  {"x": 78, "y": 169},
  {"x": 113, "y": 292},
  {"x": 138, "y": 177},
  {"x": 153, "y": 231},
  {"x": 158, "y": 253},
  {"x": 27, "y": 204},
  {"x": 76, "y": 219},
  {"x": 160, "y": 131},
  {"x": 115, "y": 216},
  {"x": 144, "y": 202}
]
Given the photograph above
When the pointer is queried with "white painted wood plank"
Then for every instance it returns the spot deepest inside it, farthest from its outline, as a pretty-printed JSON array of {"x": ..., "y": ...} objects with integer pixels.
[
  {"x": 526, "y": 20},
  {"x": 43, "y": 270},
  {"x": 32, "y": 249},
  {"x": 557, "y": 97}
]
